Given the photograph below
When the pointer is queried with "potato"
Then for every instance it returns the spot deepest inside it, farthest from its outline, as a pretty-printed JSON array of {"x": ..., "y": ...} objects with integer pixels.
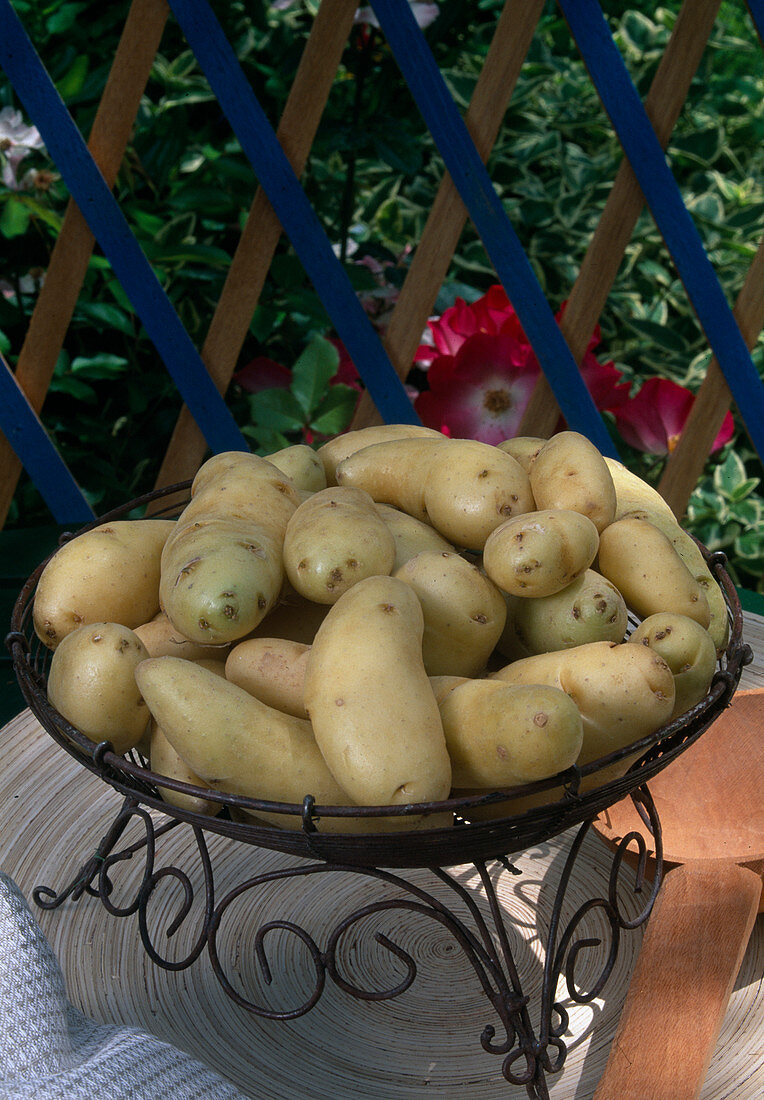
[
  {"x": 222, "y": 569},
  {"x": 219, "y": 579},
  {"x": 689, "y": 651},
  {"x": 231, "y": 740},
  {"x": 302, "y": 465},
  {"x": 463, "y": 610},
  {"x": 442, "y": 685},
  {"x": 523, "y": 448},
  {"x": 539, "y": 553},
  {"x": 719, "y": 622},
  {"x": 273, "y": 670},
  {"x": 164, "y": 760},
  {"x": 294, "y": 617},
  {"x": 239, "y": 745},
  {"x": 622, "y": 697},
  {"x": 689, "y": 551},
  {"x": 471, "y": 488},
  {"x": 645, "y": 568},
  {"x": 590, "y": 609},
  {"x": 237, "y": 502},
  {"x": 333, "y": 540},
  {"x": 161, "y": 639},
  {"x": 107, "y": 574},
  {"x": 503, "y": 735},
  {"x": 335, "y": 450},
  {"x": 638, "y": 499},
  {"x": 394, "y": 472},
  {"x": 373, "y": 711},
  {"x": 91, "y": 682},
  {"x": 634, "y": 494},
  {"x": 569, "y": 472},
  {"x": 229, "y": 466},
  {"x": 410, "y": 535},
  {"x": 258, "y": 494}
]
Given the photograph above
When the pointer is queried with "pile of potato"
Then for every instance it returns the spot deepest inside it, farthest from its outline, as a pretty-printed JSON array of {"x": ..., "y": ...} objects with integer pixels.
[{"x": 391, "y": 619}]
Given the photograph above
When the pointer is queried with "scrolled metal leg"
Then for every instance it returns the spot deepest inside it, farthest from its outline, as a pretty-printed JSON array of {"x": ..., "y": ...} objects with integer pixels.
[
  {"x": 107, "y": 857},
  {"x": 562, "y": 957},
  {"x": 47, "y": 898},
  {"x": 326, "y": 962},
  {"x": 528, "y": 1055}
]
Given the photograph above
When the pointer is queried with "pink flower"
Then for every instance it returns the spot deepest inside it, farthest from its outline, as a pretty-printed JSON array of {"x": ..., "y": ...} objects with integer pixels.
[
  {"x": 481, "y": 370},
  {"x": 27, "y": 285},
  {"x": 16, "y": 141},
  {"x": 492, "y": 314},
  {"x": 346, "y": 375},
  {"x": 654, "y": 419},
  {"x": 480, "y": 392},
  {"x": 603, "y": 381}
]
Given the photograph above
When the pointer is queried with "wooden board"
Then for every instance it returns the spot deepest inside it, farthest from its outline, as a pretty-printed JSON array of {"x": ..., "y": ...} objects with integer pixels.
[
  {"x": 693, "y": 947},
  {"x": 709, "y": 799}
]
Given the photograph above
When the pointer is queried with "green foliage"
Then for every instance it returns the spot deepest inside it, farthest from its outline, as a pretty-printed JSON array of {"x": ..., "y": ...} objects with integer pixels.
[
  {"x": 309, "y": 407},
  {"x": 726, "y": 513},
  {"x": 185, "y": 188}
]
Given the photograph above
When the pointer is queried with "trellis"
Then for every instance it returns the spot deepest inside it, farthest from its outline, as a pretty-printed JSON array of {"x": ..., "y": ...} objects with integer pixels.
[{"x": 280, "y": 205}]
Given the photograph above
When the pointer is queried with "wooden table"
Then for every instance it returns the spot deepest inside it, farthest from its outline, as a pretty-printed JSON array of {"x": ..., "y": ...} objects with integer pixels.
[{"x": 53, "y": 815}]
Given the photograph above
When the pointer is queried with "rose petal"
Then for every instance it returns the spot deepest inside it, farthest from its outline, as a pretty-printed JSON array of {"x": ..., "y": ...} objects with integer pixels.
[
  {"x": 604, "y": 382},
  {"x": 346, "y": 374},
  {"x": 654, "y": 419},
  {"x": 263, "y": 373},
  {"x": 726, "y": 432}
]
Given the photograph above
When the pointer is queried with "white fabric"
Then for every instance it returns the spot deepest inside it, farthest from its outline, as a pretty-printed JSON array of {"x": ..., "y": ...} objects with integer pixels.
[{"x": 50, "y": 1051}]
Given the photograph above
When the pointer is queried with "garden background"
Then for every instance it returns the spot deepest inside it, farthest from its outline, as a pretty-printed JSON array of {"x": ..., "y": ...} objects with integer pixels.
[{"x": 185, "y": 187}]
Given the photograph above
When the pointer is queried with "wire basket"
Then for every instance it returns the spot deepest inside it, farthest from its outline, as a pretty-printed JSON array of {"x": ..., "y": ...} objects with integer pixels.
[{"x": 306, "y": 832}]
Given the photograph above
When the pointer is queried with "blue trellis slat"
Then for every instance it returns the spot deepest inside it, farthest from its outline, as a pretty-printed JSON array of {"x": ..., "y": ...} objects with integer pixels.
[
  {"x": 107, "y": 223},
  {"x": 23, "y": 430},
  {"x": 635, "y": 132},
  {"x": 756, "y": 9},
  {"x": 258, "y": 140},
  {"x": 473, "y": 182}
]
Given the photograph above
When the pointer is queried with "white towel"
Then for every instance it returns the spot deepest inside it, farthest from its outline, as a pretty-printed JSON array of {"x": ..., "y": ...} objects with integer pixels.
[{"x": 50, "y": 1051}]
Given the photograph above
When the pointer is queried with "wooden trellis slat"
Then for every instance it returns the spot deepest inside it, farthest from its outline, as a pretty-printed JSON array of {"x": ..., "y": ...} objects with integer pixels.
[
  {"x": 260, "y": 145},
  {"x": 713, "y": 400},
  {"x": 636, "y": 134},
  {"x": 71, "y": 254},
  {"x": 252, "y": 259},
  {"x": 714, "y": 397},
  {"x": 440, "y": 236},
  {"x": 107, "y": 222},
  {"x": 625, "y": 202},
  {"x": 468, "y": 172},
  {"x": 280, "y": 205}
]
